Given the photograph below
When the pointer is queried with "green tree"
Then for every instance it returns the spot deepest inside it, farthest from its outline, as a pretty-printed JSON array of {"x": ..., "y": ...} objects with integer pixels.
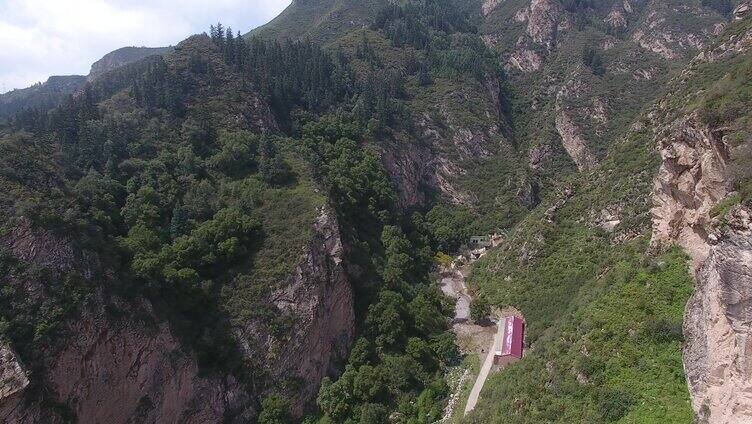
[
  {"x": 334, "y": 397},
  {"x": 397, "y": 250},
  {"x": 179, "y": 221},
  {"x": 274, "y": 170},
  {"x": 275, "y": 409},
  {"x": 480, "y": 309}
]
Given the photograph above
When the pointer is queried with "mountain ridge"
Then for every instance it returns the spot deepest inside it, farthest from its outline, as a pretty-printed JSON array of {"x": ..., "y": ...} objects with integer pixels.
[{"x": 263, "y": 216}]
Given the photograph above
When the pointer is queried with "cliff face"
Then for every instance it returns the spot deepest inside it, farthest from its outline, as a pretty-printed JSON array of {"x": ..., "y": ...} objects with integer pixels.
[
  {"x": 694, "y": 177},
  {"x": 318, "y": 300},
  {"x": 13, "y": 377},
  {"x": 121, "y": 57},
  {"x": 129, "y": 362},
  {"x": 718, "y": 352},
  {"x": 131, "y": 367}
]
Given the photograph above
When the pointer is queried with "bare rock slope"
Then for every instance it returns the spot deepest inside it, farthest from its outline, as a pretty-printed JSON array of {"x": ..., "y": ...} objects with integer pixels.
[{"x": 694, "y": 177}]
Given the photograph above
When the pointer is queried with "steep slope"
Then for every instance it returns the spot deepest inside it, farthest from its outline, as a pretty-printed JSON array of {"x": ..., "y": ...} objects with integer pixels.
[
  {"x": 51, "y": 93},
  {"x": 604, "y": 308},
  {"x": 45, "y": 95},
  {"x": 243, "y": 230},
  {"x": 581, "y": 71},
  {"x": 319, "y": 20},
  {"x": 121, "y": 57},
  {"x": 701, "y": 202},
  {"x": 180, "y": 295}
]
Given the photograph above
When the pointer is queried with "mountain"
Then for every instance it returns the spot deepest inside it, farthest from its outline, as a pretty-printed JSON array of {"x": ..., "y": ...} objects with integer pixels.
[
  {"x": 45, "y": 95},
  {"x": 250, "y": 229},
  {"x": 319, "y": 20},
  {"x": 52, "y": 92},
  {"x": 123, "y": 56}
]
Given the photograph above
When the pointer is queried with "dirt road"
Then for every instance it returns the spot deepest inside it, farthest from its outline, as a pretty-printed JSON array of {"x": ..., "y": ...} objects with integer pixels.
[
  {"x": 472, "y": 400},
  {"x": 453, "y": 285}
]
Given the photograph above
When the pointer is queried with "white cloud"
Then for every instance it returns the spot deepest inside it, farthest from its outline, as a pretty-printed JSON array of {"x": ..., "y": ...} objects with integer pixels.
[{"x": 39, "y": 38}]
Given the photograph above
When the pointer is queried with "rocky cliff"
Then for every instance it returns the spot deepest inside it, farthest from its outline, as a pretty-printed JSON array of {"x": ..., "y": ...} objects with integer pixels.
[
  {"x": 121, "y": 362},
  {"x": 694, "y": 178},
  {"x": 121, "y": 57},
  {"x": 129, "y": 360},
  {"x": 318, "y": 300},
  {"x": 13, "y": 377},
  {"x": 718, "y": 352}
]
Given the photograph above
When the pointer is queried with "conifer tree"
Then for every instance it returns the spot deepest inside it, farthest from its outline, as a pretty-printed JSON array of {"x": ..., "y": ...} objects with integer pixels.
[{"x": 179, "y": 221}]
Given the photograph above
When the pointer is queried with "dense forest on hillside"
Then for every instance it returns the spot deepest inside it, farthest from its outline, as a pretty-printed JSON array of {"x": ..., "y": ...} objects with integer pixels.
[
  {"x": 207, "y": 189},
  {"x": 162, "y": 168}
]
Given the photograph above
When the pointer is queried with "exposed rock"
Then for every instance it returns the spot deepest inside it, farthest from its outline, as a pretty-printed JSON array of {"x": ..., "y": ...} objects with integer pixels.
[
  {"x": 441, "y": 178},
  {"x": 525, "y": 60},
  {"x": 543, "y": 22},
  {"x": 617, "y": 17},
  {"x": 718, "y": 348},
  {"x": 609, "y": 218},
  {"x": 522, "y": 15},
  {"x": 528, "y": 193},
  {"x": 656, "y": 43},
  {"x": 539, "y": 155},
  {"x": 489, "y": 6},
  {"x": 130, "y": 366},
  {"x": 410, "y": 166},
  {"x": 120, "y": 371},
  {"x": 742, "y": 10},
  {"x": 574, "y": 143},
  {"x": 691, "y": 180},
  {"x": 645, "y": 73},
  {"x": 319, "y": 299},
  {"x": 659, "y": 33},
  {"x": 125, "y": 367},
  {"x": 12, "y": 374},
  {"x": 121, "y": 57}
]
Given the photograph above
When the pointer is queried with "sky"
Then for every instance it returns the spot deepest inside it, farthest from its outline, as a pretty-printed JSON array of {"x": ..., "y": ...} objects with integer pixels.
[{"x": 39, "y": 38}]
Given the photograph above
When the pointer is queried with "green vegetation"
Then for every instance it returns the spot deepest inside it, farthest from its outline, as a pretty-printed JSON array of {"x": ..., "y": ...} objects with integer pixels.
[
  {"x": 614, "y": 354},
  {"x": 194, "y": 180},
  {"x": 604, "y": 317},
  {"x": 187, "y": 205}
]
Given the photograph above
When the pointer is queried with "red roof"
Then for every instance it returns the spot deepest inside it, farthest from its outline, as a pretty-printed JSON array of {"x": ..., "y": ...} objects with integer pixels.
[{"x": 511, "y": 342}]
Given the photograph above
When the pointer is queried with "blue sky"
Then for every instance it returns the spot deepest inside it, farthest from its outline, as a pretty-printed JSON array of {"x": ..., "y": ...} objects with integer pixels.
[{"x": 39, "y": 38}]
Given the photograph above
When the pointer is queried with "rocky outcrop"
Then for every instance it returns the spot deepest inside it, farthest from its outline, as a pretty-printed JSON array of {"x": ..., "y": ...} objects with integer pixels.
[
  {"x": 691, "y": 180},
  {"x": 118, "y": 367},
  {"x": 489, "y": 6},
  {"x": 12, "y": 374},
  {"x": 120, "y": 371},
  {"x": 617, "y": 18},
  {"x": 128, "y": 370},
  {"x": 574, "y": 143},
  {"x": 122, "y": 362},
  {"x": 121, "y": 57},
  {"x": 543, "y": 22},
  {"x": 318, "y": 298},
  {"x": 718, "y": 348},
  {"x": 742, "y": 10},
  {"x": 525, "y": 60},
  {"x": 661, "y": 33}
]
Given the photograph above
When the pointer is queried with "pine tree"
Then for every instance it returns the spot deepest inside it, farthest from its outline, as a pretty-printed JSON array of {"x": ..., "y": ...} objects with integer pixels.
[
  {"x": 179, "y": 221},
  {"x": 229, "y": 47}
]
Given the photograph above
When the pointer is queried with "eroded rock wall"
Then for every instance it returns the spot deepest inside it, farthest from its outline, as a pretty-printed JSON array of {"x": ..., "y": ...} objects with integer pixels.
[
  {"x": 130, "y": 366},
  {"x": 319, "y": 298},
  {"x": 718, "y": 352},
  {"x": 692, "y": 180}
]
